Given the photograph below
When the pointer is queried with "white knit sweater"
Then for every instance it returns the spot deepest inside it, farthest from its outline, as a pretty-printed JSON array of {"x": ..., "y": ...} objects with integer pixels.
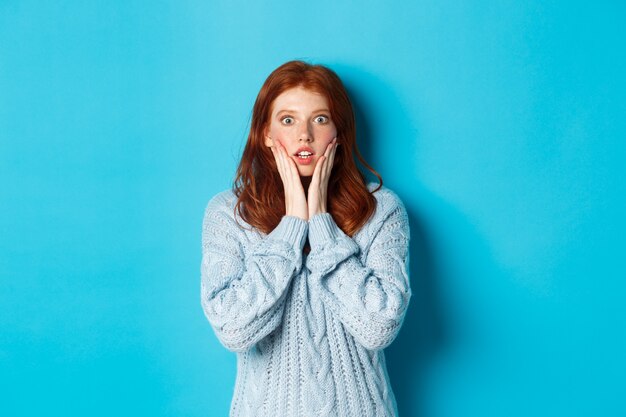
[{"x": 309, "y": 330}]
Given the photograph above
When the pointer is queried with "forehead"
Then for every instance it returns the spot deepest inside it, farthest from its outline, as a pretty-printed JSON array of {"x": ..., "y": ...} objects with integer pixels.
[{"x": 299, "y": 98}]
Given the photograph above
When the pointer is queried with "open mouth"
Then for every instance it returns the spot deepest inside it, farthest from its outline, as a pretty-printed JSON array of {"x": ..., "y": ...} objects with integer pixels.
[{"x": 304, "y": 157}]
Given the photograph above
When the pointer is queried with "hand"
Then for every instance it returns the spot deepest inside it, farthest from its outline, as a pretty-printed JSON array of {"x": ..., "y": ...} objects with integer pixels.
[
  {"x": 318, "y": 189},
  {"x": 295, "y": 199}
]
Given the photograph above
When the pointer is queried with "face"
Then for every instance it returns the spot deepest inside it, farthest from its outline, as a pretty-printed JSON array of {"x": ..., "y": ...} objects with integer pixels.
[{"x": 300, "y": 120}]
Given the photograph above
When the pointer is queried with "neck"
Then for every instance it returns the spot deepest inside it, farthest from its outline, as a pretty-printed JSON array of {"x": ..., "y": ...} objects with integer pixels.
[{"x": 306, "y": 181}]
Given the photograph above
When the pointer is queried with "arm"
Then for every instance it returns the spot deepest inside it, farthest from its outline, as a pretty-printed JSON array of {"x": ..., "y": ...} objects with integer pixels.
[
  {"x": 243, "y": 297},
  {"x": 370, "y": 298}
]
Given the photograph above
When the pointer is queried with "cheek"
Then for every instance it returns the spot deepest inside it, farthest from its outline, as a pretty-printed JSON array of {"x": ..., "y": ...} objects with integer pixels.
[
  {"x": 276, "y": 132},
  {"x": 327, "y": 133}
]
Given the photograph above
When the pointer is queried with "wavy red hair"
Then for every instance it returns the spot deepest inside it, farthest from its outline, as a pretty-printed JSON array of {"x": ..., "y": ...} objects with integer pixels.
[{"x": 257, "y": 185}]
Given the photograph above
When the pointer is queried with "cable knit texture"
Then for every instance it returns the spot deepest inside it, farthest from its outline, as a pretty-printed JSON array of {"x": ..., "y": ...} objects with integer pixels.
[{"x": 309, "y": 330}]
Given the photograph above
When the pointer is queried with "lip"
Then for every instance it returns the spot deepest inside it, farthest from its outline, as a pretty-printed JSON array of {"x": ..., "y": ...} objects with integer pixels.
[
  {"x": 304, "y": 148},
  {"x": 304, "y": 161}
]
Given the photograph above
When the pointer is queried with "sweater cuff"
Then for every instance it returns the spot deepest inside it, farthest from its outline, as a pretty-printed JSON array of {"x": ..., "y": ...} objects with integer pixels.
[
  {"x": 291, "y": 229},
  {"x": 322, "y": 228}
]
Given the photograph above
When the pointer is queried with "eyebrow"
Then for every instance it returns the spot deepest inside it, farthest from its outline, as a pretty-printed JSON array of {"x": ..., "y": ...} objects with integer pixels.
[{"x": 294, "y": 111}]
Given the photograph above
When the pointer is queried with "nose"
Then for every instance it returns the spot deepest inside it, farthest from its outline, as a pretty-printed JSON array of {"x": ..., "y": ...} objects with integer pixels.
[{"x": 306, "y": 133}]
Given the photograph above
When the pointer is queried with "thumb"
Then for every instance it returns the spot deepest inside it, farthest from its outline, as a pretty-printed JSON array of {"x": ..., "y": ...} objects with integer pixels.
[{"x": 318, "y": 170}]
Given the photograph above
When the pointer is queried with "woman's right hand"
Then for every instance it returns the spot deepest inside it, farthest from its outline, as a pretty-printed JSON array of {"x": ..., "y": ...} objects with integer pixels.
[{"x": 295, "y": 199}]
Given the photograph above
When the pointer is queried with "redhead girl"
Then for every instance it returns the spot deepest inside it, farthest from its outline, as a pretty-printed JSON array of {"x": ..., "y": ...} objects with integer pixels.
[{"x": 304, "y": 264}]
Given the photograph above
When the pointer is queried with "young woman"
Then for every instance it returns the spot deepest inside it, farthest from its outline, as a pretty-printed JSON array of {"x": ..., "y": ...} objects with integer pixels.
[{"x": 304, "y": 265}]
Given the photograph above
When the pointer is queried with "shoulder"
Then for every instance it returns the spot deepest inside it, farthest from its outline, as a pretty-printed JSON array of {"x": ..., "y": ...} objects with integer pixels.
[
  {"x": 220, "y": 218},
  {"x": 387, "y": 201},
  {"x": 221, "y": 205},
  {"x": 221, "y": 200},
  {"x": 388, "y": 223}
]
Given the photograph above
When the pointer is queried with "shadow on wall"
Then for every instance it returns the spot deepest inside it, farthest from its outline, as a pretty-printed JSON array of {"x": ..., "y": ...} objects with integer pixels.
[{"x": 423, "y": 334}]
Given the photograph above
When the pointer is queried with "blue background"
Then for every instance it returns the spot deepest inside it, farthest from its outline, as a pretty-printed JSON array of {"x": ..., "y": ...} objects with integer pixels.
[{"x": 501, "y": 124}]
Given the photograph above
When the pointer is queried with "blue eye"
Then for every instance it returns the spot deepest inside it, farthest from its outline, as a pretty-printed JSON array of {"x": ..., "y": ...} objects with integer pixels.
[
  {"x": 287, "y": 120},
  {"x": 321, "y": 119}
]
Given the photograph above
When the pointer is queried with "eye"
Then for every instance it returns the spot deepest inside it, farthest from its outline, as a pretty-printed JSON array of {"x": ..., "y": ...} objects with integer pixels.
[
  {"x": 321, "y": 119},
  {"x": 287, "y": 120}
]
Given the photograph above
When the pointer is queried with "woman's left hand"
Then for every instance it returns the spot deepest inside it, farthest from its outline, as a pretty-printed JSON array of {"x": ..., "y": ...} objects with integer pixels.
[{"x": 318, "y": 189}]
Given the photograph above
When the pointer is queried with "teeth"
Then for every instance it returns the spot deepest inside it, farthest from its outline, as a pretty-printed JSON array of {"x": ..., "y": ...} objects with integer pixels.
[{"x": 304, "y": 153}]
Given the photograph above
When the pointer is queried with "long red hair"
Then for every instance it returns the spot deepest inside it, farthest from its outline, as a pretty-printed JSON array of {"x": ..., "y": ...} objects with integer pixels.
[{"x": 258, "y": 186}]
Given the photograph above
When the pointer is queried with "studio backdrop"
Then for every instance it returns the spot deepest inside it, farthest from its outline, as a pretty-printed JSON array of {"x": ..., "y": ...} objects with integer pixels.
[{"x": 500, "y": 124}]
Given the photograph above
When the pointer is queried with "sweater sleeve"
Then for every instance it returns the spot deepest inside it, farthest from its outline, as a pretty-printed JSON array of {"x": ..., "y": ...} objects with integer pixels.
[
  {"x": 369, "y": 298},
  {"x": 243, "y": 296}
]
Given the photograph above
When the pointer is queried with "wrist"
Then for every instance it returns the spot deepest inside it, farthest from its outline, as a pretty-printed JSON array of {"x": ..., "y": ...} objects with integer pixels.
[
  {"x": 315, "y": 211},
  {"x": 297, "y": 213}
]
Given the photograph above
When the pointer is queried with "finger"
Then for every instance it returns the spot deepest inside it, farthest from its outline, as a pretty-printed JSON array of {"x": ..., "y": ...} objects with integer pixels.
[
  {"x": 328, "y": 157},
  {"x": 282, "y": 170},
  {"x": 317, "y": 172},
  {"x": 331, "y": 154},
  {"x": 331, "y": 159},
  {"x": 276, "y": 158},
  {"x": 291, "y": 170},
  {"x": 328, "y": 148},
  {"x": 284, "y": 167},
  {"x": 292, "y": 165},
  {"x": 275, "y": 154},
  {"x": 320, "y": 161},
  {"x": 285, "y": 158}
]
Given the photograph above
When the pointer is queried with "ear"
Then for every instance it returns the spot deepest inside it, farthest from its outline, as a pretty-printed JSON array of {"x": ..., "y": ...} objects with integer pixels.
[{"x": 267, "y": 139}]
